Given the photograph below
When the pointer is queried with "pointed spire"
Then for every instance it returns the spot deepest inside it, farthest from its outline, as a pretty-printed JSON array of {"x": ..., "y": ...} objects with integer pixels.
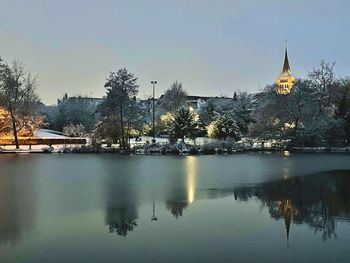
[
  {"x": 287, "y": 222},
  {"x": 285, "y": 80},
  {"x": 287, "y": 212},
  {"x": 286, "y": 67}
]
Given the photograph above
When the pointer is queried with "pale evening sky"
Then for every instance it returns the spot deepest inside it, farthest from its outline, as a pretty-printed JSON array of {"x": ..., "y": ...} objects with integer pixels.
[{"x": 212, "y": 47}]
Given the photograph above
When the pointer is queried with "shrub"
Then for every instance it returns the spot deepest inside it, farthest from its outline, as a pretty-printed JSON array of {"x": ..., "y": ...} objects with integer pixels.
[{"x": 74, "y": 130}]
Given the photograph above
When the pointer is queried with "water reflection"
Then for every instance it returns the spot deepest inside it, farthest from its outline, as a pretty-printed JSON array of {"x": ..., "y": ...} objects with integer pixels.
[
  {"x": 181, "y": 197},
  {"x": 17, "y": 206},
  {"x": 176, "y": 207},
  {"x": 121, "y": 220},
  {"x": 191, "y": 174},
  {"x": 318, "y": 200},
  {"x": 154, "y": 217},
  {"x": 80, "y": 208},
  {"x": 121, "y": 206}
]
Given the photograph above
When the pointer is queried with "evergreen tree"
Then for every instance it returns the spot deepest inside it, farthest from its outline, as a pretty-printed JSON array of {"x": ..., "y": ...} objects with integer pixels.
[
  {"x": 119, "y": 107},
  {"x": 184, "y": 125},
  {"x": 224, "y": 127}
]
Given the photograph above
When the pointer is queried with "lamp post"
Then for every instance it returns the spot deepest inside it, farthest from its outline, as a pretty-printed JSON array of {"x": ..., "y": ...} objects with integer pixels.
[{"x": 154, "y": 82}]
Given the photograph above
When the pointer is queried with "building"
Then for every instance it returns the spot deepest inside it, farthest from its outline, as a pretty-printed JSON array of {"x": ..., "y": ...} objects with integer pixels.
[
  {"x": 94, "y": 102},
  {"x": 285, "y": 81},
  {"x": 196, "y": 102}
]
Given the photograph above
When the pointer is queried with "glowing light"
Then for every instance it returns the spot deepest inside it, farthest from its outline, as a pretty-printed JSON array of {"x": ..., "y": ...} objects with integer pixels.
[
  {"x": 285, "y": 173},
  {"x": 285, "y": 84},
  {"x": 211, "y": 129},
  {"x": 289, "y": 125},
  {"x": 191, "y": 176},
  {"x": 196, "y": 117},
  {"x": 26, "y": 125},
  {"x": 166, "y": 118},
  {"x": 285, "y": 80}
]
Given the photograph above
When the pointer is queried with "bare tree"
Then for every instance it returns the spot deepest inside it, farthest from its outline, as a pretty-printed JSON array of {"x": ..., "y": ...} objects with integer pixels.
[
  {"x": 322, "y": 80},
  {"x": 174, "y": 97},
  {"x": 18, "y": 95},
  {"x": 323, "y": 77}
]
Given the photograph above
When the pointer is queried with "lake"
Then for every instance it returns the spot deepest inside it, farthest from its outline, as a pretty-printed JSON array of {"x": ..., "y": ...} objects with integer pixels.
[{"x": 112, "y": 208}]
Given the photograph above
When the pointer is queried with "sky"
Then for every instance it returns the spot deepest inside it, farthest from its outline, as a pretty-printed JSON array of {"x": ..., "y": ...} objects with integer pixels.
[{"x": 213, "y": 47}]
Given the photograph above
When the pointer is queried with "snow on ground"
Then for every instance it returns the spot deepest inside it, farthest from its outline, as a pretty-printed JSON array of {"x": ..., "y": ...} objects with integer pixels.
[
  {"x": 42, "y": 133},
  {"x": 45, "y": 133},
  {"x": 162, "y": 140}
]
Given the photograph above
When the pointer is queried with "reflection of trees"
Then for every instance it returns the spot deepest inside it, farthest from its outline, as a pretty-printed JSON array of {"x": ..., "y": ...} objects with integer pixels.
[
  {"x": 10, "y": 226},
  {"x": 121, "y": 201},
  {"x": 17, "y": 206},
  {"x": 317, "y": 200},
  {"x": 176, "y": 207},
  {"x": 184, "y": 195},
  {"x": 121, "y": 220}
]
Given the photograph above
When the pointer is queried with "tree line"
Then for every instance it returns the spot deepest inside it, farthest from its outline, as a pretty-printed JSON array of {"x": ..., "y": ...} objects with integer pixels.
[{"x": 315, "y": 113}]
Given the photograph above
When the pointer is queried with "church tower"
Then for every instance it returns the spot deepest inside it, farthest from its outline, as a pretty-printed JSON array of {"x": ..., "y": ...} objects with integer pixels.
[{"x": 285, "y": 80}]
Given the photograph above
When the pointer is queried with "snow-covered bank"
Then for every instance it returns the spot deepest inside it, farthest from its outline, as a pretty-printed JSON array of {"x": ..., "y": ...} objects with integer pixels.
[
  {"x": 46, "y": 133},
  {"x": 321, "y": 149}
]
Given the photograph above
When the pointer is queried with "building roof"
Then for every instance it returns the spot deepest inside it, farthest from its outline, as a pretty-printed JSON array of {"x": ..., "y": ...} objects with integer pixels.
[
  {"x": 286, "y": 67},
  {"x": 285, "y": 80}
]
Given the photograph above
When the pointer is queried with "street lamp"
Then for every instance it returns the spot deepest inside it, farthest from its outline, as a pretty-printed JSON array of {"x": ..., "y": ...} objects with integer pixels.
[{"x": 154, "y": 82}]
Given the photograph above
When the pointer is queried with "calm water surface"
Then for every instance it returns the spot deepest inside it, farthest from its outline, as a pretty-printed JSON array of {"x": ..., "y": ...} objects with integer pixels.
[{"x": 110, "y": 208}]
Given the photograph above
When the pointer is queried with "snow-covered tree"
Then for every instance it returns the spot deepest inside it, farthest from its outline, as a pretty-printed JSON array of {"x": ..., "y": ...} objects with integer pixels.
[
  {"x": 163, "y": 122},
  {"x": 296, "y": 117},
  {"x": 322, "y": 80},
  {"x": 184, "y": 125},
  {"x": 239, "y": 109},
  {"x": 74, "y": 130},
  {"x": 19, "y": 99},
  {"x": 78, "y": 110},
  {"x": 26, "y": 125},
  {"x": 340, "y": 101},
  {"x": 224, "y": 127},
  {"x": 120, "y": 109},
  {"x": 242, "y": 110},
  {"x": 208, "y": 111}
]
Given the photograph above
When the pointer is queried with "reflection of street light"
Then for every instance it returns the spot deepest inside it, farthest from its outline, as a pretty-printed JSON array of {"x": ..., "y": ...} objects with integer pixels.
[
  {"x": 191, "y": 176},
  {"x": 154, "y": 218},
  {"x": 153, "y": 82}
]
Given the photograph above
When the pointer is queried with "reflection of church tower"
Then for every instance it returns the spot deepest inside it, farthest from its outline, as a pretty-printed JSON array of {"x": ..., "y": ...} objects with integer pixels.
[
  {"x": 286, "y": 208},
  {"x": 285, "y": 80}
]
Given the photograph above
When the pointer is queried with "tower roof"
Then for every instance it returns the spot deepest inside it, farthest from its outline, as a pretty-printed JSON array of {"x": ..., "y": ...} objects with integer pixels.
[
  {"x": 285, "y": 80},
  {"x": 286, "y": 67}
]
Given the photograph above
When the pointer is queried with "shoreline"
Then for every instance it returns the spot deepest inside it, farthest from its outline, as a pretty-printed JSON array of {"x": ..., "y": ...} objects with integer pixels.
[{"x": 286, "y": 152}]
